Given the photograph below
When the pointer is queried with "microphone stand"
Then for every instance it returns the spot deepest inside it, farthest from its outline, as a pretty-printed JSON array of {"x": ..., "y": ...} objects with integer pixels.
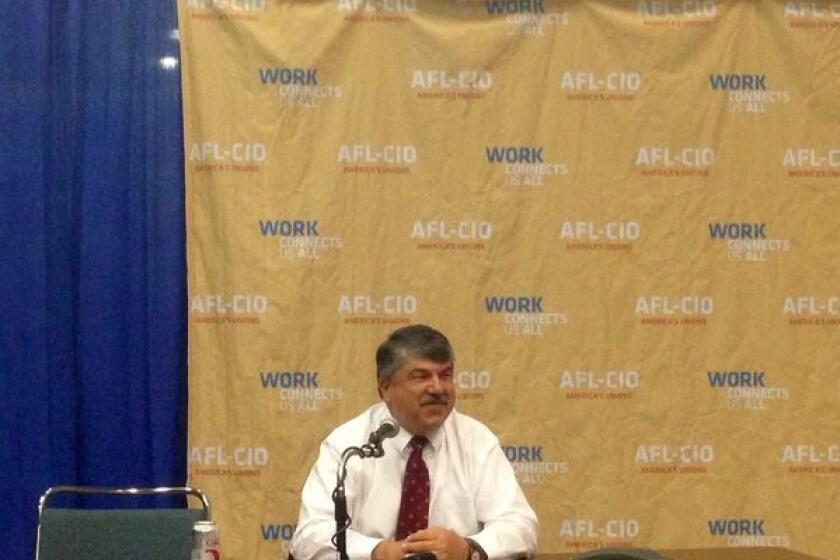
[{"x": 339, "y": 496}]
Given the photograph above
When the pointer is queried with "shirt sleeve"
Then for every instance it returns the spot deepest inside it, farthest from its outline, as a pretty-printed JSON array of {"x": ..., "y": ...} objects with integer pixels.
[
  {"x": 509, "y": 525},
  {"x": 316, "y": 523}
]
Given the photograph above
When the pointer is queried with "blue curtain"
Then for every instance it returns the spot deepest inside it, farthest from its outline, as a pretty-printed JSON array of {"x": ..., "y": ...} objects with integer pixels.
[{"x": 92, "y": 258}]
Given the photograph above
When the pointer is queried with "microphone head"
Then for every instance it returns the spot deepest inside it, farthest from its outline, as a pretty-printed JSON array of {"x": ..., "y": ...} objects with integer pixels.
[{"x": 388, "y": 429}]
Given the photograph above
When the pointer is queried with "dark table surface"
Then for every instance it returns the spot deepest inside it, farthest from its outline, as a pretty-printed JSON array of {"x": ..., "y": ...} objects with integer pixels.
[{"x": 733, "y": 553}]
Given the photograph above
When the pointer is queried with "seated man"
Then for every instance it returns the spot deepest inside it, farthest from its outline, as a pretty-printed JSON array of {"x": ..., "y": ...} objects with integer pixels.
[{"x": 443, "y": 486}]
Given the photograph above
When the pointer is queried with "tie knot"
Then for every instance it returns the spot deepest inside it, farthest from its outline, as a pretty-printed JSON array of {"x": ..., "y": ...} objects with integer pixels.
[{"x": 418, "y": 442}]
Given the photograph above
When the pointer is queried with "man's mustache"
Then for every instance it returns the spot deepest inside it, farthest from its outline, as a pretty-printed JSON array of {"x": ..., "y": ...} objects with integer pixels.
[{"x": 434, "y": 400}]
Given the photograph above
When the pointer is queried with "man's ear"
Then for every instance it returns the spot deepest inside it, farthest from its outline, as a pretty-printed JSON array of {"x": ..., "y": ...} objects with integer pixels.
[{"x": 382, "y": 383}]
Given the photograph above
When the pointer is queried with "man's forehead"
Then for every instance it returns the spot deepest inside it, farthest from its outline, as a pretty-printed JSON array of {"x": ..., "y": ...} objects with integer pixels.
[{"x": 425, "y": 365}]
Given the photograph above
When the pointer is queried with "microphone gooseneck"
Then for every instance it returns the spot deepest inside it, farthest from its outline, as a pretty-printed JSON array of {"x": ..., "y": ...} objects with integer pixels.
[{"x": 373, "y": 448}]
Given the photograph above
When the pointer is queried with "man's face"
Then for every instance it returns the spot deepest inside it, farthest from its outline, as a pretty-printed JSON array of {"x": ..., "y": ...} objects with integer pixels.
[{"x": 420, "y": 395}]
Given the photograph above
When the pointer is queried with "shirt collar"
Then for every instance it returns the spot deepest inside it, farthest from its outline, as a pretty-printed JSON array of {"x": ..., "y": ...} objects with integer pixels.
[{"x": 435, "y": 439}]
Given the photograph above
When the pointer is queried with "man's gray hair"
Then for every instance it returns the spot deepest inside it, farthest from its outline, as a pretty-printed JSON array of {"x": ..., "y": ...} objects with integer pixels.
[{"x": 413, "y": 341}]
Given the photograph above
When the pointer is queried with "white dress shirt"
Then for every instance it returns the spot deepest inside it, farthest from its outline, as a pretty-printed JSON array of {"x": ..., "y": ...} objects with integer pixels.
[{"x": 474, "y": 490}]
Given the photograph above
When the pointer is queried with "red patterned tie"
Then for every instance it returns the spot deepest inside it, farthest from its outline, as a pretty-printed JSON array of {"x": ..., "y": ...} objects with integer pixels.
[{"x": 414, "y": 505}]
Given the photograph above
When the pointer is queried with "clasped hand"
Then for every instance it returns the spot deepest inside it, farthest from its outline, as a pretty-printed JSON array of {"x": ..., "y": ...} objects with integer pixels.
[{"x": 443, "y": 543}]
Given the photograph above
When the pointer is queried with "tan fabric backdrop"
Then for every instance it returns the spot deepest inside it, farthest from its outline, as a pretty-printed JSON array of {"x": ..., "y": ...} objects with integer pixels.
[{"x": 623, "y": 214}]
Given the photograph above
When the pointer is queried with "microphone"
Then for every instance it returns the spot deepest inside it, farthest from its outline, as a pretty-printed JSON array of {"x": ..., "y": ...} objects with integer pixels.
[
  {"x": 387, "y": 429},
  {"x": 373, "y": 448}
]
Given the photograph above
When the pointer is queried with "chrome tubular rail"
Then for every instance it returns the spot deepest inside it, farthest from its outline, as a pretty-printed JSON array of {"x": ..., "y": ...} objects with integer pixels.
[{"x": 110, "y": 491}]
